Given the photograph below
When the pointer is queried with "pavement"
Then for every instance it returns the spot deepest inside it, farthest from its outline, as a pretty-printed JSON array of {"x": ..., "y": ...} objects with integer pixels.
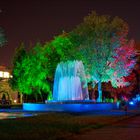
[{"x": 126, "y": 129}]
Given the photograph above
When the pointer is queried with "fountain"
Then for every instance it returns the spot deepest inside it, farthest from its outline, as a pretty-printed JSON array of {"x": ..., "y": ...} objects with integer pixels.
[
  {"x": 70, "y": 93},
  {"x": 70, "y": 82}
]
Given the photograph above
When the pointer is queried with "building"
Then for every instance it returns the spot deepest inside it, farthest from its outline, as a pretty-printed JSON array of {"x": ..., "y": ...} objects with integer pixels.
[{"x": 6, "y": 93}]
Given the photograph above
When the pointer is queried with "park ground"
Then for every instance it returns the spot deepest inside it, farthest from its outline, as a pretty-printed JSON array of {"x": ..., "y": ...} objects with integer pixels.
[
  {"x": 127, "y": 129},
  {"x": 68, "y": 125}
]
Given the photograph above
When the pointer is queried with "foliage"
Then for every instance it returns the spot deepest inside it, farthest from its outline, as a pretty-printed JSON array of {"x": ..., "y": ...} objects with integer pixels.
[
  {"x": 64, "y": 47},
  {"x": 30, "y": 72},
  {"x": 20, "y": 54},
  {"x": 33, "y": 72},
  {"x": 123, "y": 64},
  {"x": 104, "y": 49},
  {"x": 99, "y": 41}
]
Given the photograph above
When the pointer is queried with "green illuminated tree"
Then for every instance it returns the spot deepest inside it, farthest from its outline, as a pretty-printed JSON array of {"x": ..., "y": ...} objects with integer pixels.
[
  {"x": 20, "y": 54},
  {"x": 33, "y": 79},
  {"x": 104, "y": 49},
  {"x": 100, "y": 42},
  {"x": 2, "y": 37},
  {"x": 33, "y": 72},
  {"x": 59, "y": 49},
  {"x": 64, "y": 47}
]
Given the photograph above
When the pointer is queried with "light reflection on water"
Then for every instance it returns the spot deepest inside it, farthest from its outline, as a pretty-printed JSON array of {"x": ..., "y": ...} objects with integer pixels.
[{"x": 10, "y": 115}]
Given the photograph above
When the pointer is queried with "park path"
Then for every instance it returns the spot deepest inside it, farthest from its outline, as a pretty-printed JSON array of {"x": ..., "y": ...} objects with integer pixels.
[{"x": 128, "y": 129}]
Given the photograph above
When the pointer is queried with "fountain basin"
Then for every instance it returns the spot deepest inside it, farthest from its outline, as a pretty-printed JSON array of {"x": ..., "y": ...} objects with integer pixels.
[{"x": 69, "y": 106}]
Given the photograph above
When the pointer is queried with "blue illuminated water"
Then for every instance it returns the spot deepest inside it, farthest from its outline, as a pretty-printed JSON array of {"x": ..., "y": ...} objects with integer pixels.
[
  {"x": 70, "y": 81},
  {"x": 14, "y": 115}
]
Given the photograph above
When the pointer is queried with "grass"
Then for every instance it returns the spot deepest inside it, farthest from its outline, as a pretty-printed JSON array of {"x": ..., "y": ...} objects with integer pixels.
[{"x": 52, "y": 126}]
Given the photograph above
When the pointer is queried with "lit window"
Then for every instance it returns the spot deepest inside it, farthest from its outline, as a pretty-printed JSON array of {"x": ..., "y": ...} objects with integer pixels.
[
  {"x": 6, "y": 75},
  {"x": 1, "y": 74}
]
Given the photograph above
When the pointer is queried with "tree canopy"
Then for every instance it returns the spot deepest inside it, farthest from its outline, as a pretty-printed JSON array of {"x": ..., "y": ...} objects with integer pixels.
[
  {"x": 101, "y": 42},
  {"x": 104, "y": 48},
  {"x": 20, "y": 54},
  {"x": 31, "y": 71}
]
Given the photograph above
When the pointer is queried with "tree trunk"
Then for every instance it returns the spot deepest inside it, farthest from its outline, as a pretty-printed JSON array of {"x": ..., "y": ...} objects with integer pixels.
[
  {"x": 26, "y": 98},
  {"x": 99, "y": 99},
  {"x": 21, "y": 97},
  {"x": 41, "y": 98},
  {"x": 36, "y": 97}
]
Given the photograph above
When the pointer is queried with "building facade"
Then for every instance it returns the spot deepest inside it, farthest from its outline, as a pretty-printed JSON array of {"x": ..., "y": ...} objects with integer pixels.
[{"x": 6, "y": 92}]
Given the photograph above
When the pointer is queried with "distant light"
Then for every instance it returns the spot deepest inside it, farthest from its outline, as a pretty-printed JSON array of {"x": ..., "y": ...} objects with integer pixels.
[
  {"x": 6, "y": 74},
  {"x": 15, "y": 101},
  {"x": 131, "y": 103},
  {"x": 118, "y": 104},
  {"x": 1, "y": 74}
]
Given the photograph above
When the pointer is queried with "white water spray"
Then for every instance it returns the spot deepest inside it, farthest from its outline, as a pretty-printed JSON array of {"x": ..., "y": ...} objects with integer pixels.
[{"x": 70, "y": 82}]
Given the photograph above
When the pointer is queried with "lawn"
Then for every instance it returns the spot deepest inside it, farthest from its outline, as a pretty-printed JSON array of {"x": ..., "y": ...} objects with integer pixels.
[{"x": 52, "y": 126}]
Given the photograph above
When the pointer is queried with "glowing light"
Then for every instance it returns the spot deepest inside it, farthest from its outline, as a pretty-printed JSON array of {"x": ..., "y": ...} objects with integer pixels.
[
  {"x": 1, "y": 74},
  {"x": 131, "y": 103},
  {"x": 118, "y": 104},
  {"x": 15, "y": 101},
  {"x": 6, "y": 74}
]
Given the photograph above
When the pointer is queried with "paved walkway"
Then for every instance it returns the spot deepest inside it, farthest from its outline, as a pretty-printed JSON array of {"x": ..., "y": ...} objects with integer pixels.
[{"x": 128, "y": 129}]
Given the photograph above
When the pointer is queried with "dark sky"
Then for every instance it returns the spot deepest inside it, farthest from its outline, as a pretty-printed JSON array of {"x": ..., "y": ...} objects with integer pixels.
[{"x": 30, "y": 21}]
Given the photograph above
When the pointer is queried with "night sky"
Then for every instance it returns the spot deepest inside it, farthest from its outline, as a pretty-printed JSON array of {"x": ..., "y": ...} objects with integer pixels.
[{"x": 30, "y": 21}]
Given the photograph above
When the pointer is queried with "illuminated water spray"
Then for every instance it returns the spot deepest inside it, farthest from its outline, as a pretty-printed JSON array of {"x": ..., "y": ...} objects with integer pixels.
[{"x": 70, "y": 81}]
